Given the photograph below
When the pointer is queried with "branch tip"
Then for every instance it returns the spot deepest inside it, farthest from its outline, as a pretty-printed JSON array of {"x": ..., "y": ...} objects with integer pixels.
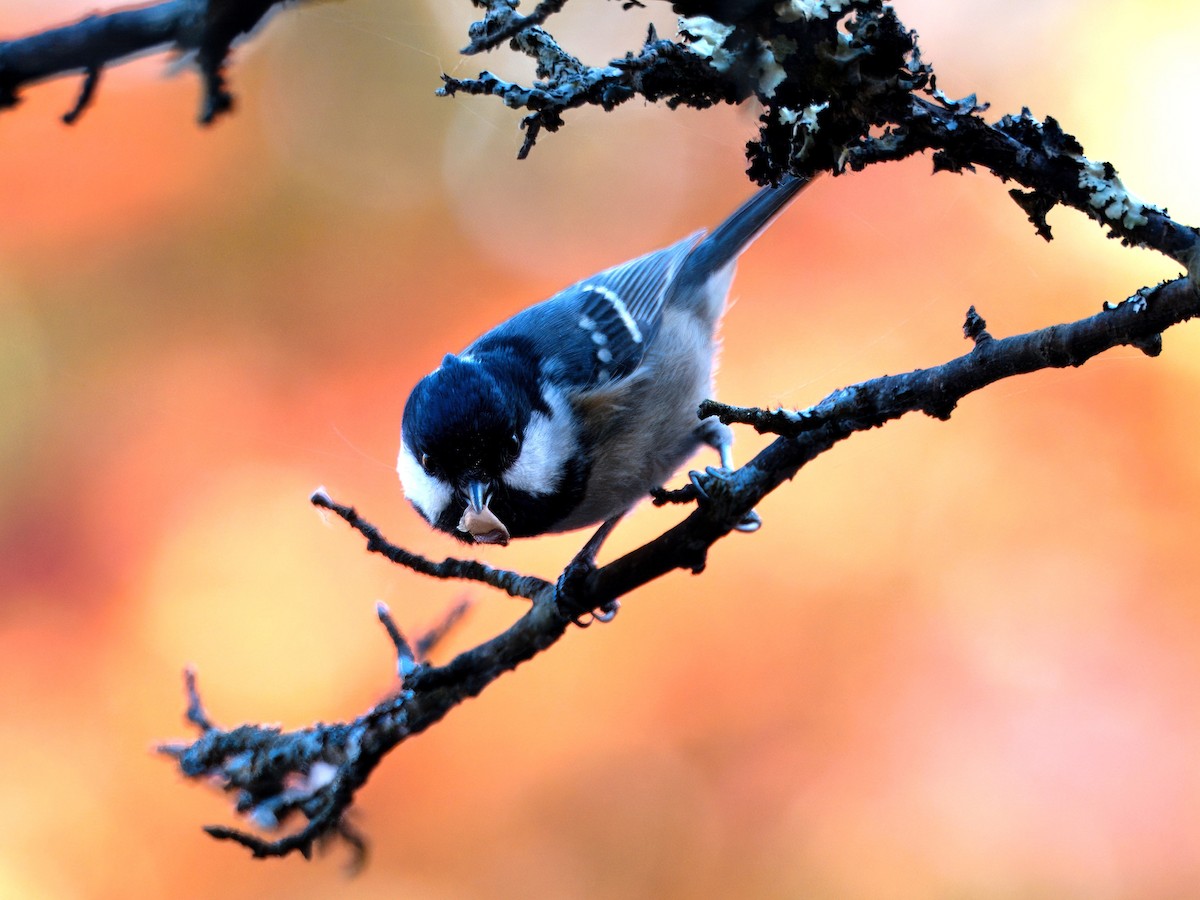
[
  {"x": 406, "y": 659},
  {"x": 661, "y": 496},
  {"x": 195, "y": 709},
  {"x": 256, "y": 845},
  {"x": 429, "y": 641},
  {"x": 975, "y": 328},
  {"x": 217, "y": 98},
  {"x": 358, "y": 844},
  {"x": 86, "y": 92}
]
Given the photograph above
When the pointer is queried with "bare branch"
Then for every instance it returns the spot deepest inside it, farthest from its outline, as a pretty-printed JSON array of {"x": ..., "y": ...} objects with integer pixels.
[
  {"x": 206, "y": 28},
  {"x": 662, "y": 70},
  {"x": 1138, "y": 322},
  {"x": 195, "y": 709},
  {"x": 406, "y": 658},
  {"x": 526, "y": 586},
  {"x": 430, "y": 640},
  {"x": 409, "y": 656}
]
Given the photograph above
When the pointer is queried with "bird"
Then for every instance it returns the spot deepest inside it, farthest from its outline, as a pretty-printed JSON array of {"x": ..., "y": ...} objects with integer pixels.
[{"x": 575, "y": 409}]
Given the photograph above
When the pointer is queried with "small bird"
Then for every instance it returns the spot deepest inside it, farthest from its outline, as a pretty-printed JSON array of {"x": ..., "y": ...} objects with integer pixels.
[{"x": 570, "y": 412}]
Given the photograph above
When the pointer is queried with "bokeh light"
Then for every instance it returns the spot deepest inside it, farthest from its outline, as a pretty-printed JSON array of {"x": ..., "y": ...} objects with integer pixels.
[{"x": 960, "y": 659}]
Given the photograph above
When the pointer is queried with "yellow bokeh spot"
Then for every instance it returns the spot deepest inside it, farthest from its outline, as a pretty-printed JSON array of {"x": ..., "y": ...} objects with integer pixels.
[{"x": 254, "y": 589}]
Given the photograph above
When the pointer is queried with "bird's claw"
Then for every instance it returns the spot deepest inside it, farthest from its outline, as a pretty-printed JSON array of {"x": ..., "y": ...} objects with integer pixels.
[
  {"x": 749, "y": 523},
  {"x": 698, "y": 479},
  {"x": 606, "y": 612},
  {"x": 571, "y": 578},
  {"x": 705, "y": 482}
]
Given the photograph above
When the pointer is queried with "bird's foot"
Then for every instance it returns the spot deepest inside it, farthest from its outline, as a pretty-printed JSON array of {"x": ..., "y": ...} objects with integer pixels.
[
  {"x": 712, "y": 487},
  {"x": 572, "y": 583}
]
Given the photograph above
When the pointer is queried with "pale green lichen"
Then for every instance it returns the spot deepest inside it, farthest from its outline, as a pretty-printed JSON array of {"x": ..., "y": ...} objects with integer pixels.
[
  {"x": 792, "y": 10},
  {"x": 706, "y": 37},
  {"x": 805, "y": 118},
  {"x": 804, "y": 124},
  {"x": 1110, "y": 195},
  {"x": 1137, "y": 302},
  {"x": 770, "y": 73}
]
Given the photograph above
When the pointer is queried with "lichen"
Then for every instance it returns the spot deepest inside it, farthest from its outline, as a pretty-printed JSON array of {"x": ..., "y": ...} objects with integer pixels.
[
  {"x": 706, "y": 37},
  {"x": 793, "y": 10},
  {"x": 1107, "y": 193}
]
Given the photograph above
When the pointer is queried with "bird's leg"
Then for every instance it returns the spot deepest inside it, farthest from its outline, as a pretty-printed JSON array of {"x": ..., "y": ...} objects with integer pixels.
[
  {"x": 720, "y": 437},
  {"x": 579, "y": 568}
]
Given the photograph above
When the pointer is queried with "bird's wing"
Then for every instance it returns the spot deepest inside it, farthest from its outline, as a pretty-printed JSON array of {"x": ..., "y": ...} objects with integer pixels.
[{"x": 602, "y": 325}]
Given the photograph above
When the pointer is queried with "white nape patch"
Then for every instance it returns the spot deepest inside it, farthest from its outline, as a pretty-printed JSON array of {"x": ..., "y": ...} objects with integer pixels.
[
  {"x": 549, "y": 443},
  {"x": 428, "y": 494},
  {"x": 622, "y": 310}
]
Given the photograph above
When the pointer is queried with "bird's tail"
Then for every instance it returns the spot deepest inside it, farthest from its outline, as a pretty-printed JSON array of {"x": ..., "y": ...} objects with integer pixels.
[{"x": 737, "y": 232}]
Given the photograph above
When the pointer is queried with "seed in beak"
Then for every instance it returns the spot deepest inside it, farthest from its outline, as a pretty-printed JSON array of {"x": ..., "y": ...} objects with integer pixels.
[{"x": 479, "y": 521}]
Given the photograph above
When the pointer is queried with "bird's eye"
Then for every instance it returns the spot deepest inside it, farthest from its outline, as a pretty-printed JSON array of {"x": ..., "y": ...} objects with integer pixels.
[
  {"x": 426, "y": 462},
  {"x": 514, "y": 443}
]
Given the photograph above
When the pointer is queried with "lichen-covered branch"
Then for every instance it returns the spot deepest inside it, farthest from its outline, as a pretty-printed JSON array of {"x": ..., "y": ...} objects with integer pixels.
[
  {"x": 205, "y": 28},
  {"x": 654, "y": 72},
  {"x": 316, "y": 771},
  {"x": 502, "y": 22},
  {"x": 842, "y": 84}
]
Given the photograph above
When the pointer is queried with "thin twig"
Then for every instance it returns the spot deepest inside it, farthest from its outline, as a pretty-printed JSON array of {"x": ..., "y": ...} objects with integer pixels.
[
  {"x": 429, "y": 641},
  {"x": 195, "y": 709},
  {"x": 526, "y": 586},
  {"x": 406, "y": 659}
]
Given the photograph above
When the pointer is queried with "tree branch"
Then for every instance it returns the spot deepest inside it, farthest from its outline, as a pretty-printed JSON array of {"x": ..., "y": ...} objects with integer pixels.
[
  {"x": 526, "y": 586},
  {"x": 843, "y": 86},
  {"x": 206, "y": 28},
  {"x": 502, "y": 22},
  {"x": 318, "y": 770}
]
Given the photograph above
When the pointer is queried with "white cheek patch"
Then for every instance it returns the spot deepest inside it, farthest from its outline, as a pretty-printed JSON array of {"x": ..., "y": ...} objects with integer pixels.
[
  {"x": 428, "y": 494},
  {"x": 549, "y": 443}
]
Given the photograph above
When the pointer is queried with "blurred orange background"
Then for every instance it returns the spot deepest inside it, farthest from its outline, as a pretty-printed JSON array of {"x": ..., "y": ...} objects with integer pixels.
[{"x": 960, "y": 659}]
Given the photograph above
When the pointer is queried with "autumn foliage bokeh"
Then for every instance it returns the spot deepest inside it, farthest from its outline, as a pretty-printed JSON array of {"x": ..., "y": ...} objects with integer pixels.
[{"x": 959, "y": 659}]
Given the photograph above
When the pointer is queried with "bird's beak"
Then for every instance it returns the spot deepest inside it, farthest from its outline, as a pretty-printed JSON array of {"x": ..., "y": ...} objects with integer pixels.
[
  {"x": 478, "y": 495},
  {"x": 479, "y": 521}
]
